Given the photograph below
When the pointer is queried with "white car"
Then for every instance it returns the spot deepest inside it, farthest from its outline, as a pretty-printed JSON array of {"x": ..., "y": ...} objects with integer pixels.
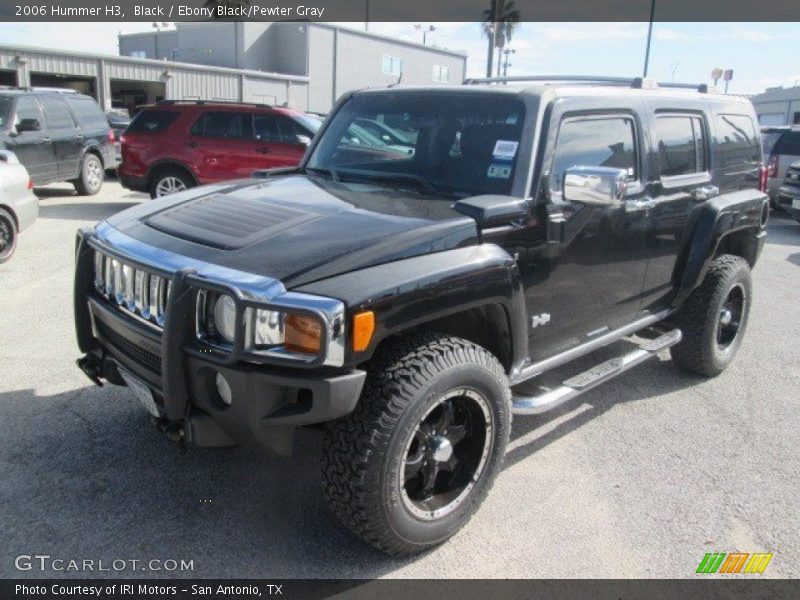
[{"x": 19, "y": 207}]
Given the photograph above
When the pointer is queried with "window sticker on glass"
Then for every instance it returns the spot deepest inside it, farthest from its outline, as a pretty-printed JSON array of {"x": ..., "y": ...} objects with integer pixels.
[
  {"x": 505, "y": 150},
  {"x": 499, "y": 171}
]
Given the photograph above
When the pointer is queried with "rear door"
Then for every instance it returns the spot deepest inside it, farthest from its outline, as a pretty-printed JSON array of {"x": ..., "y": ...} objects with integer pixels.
[
  {"x": 33, "y": 148},
  {"x": 222, "y": 142},
  {"x": 276, "y": 141},
  {"x": 682, "y": 182},
  {"x": 64, "y": 134}
]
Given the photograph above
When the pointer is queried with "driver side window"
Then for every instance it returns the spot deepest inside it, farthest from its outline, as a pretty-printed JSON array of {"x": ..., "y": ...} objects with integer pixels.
[{"x": 594, "y": 142}]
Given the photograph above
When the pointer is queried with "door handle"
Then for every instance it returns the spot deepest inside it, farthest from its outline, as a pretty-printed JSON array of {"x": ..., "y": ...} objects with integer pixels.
[
  {"x": 263, "y": 150},
  {"x": 705, "y": 192},
  {"x": 46, "y": 140},
  {"x": 192, "y": 144},
  {"x": 640, "y": 204}
]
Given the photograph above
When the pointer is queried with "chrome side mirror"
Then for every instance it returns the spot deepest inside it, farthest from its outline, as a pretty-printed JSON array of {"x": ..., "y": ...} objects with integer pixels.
[
  {"x": 303, "y": 140},
  {"x": 595, "y": 185}
]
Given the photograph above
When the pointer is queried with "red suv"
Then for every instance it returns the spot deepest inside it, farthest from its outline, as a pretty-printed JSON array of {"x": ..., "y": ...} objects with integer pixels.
[{"x": 173, "y": 145}]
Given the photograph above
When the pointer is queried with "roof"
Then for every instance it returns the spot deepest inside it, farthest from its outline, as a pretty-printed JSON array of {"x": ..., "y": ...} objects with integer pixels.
[{"x": 791, "y": 93}]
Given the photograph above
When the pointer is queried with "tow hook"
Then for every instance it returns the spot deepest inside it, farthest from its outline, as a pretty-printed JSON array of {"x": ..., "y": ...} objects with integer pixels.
[
  {"x": 174, "y": 431},
  {"x": 88, "y": 364}
]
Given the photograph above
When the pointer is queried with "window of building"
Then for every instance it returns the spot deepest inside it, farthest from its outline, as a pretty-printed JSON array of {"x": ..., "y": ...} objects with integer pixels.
[
  {"x": 594, "y": 142},
  {"x": 137, "y": 54},
  {"x": 441, "y": 73},
  {"x": 228, "y": 125},
  {"x": 392, "y": 65},
  {"x": 55, "y": 112},
  {"x": 681, "y": 145}
]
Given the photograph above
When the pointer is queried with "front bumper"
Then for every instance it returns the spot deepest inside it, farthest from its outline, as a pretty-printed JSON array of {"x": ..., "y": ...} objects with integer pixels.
[{"x": 268, "y": 402}]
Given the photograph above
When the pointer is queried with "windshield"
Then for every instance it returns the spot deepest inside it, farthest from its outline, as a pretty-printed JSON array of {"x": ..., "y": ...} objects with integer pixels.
[
  {"x": 310, "y": 122},
  {"x": 5, "y": 110},
  {"x": 446, "y": 145}
]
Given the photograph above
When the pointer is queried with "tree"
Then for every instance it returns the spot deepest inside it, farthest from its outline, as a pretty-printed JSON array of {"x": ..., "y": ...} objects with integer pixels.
[{"x": 500, "y": 21}]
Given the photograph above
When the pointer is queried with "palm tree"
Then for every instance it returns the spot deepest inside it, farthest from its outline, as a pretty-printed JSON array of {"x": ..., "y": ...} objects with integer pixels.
[{"x": 499, "y": 24}]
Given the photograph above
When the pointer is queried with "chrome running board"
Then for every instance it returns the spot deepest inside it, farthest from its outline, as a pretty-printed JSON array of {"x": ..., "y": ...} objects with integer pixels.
[{"x": 577, "y": 385}]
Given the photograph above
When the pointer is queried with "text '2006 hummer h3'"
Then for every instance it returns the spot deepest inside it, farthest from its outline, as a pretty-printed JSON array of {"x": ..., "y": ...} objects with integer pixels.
[{"x": 408, "y": 297}]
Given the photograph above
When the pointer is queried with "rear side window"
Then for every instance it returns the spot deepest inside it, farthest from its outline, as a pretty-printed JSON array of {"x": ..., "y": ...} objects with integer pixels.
[
  {"x": 87, "y": 111},
  {"x": 595, "y": 142},
  {"x": 788, "y": 143},
  {"x": 681, "y": 145},
  {"x": 227, "y": 125},
  {"x": 152, "y": 121},
  {"x": 55, "y": 112},
  {"x": 736, "y": 131}
]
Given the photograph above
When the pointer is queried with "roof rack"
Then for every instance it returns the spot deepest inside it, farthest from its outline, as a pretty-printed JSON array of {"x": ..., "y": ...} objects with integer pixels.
[
  {"x": 640, "y": 83},
  {"x": 162, "y": 102}
]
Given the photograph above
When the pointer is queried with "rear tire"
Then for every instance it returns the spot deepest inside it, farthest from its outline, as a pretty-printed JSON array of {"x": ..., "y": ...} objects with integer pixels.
[
  {"x": 169, "y": 181},
  {"x": 8, "y": 235},
  {"x": 408, "y": 468},
  {"x": 714, "y": 318},
  {"x": 92, "y": 175}
]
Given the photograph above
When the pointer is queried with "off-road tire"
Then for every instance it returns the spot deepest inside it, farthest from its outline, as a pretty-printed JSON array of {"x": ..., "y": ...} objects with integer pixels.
[
  {"x": 8, "y": 235},
  {"x": 364, "y": 452},
  {"x": 92, "y": 175},
  {"x": 698, "y": 351}
]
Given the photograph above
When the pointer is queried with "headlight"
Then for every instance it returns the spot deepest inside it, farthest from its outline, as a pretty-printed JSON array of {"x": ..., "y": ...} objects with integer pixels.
[{"x": 225, "y": 317}]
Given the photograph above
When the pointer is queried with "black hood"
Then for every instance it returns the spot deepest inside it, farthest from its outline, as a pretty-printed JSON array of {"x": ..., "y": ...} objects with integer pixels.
[{"x": 297, "y": 229}]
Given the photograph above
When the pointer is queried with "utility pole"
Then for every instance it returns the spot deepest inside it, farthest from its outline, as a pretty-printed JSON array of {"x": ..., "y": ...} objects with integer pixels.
[
  {"x": 649, "y": 36},
  {"x": 492, "y": 38}
]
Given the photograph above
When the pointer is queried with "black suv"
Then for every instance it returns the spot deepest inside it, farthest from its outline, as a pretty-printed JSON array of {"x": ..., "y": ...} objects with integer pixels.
[
  {"x": 59, "y": 135},
  {"x": 410, "y": 302}
]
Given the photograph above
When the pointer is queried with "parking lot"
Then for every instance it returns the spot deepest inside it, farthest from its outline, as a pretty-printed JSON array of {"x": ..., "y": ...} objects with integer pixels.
[{"x": 638, "y": 478}]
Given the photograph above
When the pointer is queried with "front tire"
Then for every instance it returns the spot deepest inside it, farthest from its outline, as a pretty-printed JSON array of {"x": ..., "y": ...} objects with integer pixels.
[
  {"x": 714, "y": 318},
  {"x": 8, "y": 236},
  {"x": 92, "y": 175},
  {"x": 408, "y": 468}
]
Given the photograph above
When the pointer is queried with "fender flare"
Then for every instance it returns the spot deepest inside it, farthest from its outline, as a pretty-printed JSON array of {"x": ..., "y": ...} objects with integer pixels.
[
  {"x": 708, "y": 226},
  {"x": 411, "y": 292}
]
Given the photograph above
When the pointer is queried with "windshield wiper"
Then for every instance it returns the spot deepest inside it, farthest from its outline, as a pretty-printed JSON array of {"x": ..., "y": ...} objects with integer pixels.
[
  {"x": 323, "y": 171},
  {"x": 374, "y": 176}
]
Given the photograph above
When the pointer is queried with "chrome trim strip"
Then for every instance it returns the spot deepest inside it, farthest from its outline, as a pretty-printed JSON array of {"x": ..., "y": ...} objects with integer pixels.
[{"x": 534, "y": 369}]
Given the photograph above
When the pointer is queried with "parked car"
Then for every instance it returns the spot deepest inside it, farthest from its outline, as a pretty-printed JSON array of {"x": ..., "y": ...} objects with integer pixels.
[
  {"x": 410, "y": 303},
  {"x": 788, "y": 196},
  {"x": 19, "y": 207},
  {"x": 172, "y": 146},
  {"x": 781, "y": 147},
  {"x": 118, "y": 120},
  {"x": 59, "y": 135}
]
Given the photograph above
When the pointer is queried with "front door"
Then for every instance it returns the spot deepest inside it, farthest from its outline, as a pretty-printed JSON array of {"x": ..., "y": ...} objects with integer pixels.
[
  {"x": 33, "y": 148},
  {"x": 222, "y": 145},
  {"x": 276, "y": 142},
  {"x": 589, "y": 281}
]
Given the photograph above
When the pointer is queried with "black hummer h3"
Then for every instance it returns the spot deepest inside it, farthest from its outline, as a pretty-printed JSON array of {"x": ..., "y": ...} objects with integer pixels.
[{"x": 409, "y": 295}]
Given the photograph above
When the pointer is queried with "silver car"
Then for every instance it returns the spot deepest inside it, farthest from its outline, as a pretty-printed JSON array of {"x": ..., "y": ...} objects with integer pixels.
[{"x": 19, "y": 207}]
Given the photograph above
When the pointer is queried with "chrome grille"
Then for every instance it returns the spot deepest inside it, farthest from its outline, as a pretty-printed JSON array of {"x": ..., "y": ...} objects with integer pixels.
[{"x": 136, "y": 291}]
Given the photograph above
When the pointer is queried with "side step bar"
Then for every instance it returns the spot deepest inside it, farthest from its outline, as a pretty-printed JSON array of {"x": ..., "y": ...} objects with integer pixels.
[{"x": 577, "y": 385}]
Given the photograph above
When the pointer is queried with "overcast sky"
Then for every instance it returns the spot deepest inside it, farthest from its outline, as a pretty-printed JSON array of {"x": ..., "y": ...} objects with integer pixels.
[{"x": 761, "y": 54}]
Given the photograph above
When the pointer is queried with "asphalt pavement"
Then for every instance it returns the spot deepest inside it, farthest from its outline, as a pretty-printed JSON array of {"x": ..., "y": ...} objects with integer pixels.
[{"x": 638, "y": 478}]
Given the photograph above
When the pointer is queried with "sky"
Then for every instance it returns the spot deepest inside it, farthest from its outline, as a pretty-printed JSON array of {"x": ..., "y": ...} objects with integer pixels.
[{"x": 761, "y": 54}]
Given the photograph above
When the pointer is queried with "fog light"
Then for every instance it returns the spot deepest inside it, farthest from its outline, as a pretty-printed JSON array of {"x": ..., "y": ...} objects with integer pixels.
[{"x": 224, "y": 389}]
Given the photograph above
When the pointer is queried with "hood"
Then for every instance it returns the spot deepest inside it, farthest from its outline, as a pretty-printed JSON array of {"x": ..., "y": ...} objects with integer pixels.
[{"x": 295, "y": 228}]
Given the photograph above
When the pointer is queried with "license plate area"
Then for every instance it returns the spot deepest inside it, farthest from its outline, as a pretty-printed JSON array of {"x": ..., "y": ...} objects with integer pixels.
[{"x": 141, "y": 392}]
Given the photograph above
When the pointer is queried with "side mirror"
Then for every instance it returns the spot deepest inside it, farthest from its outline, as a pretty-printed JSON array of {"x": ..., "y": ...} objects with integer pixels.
[
  {"x": 28, "y": 125},
  {"x": 595, "y": 185},
  {"x": 303, "y": 140}
]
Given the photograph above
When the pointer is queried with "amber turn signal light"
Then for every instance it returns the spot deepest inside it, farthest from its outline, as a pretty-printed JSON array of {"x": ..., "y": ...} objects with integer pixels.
[{"x": 363, "y": 328}]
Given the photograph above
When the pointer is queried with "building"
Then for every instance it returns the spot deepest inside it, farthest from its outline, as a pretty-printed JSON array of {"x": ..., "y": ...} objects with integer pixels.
[
  {"x": 333, "y": 59},
  {"x": 124, "y": 82},
  {"x": 778, "y": 106}
]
